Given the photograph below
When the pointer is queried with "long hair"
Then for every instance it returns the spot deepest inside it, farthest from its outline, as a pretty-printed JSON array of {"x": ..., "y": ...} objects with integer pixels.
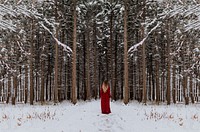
[{"x": 106, "y": 83}]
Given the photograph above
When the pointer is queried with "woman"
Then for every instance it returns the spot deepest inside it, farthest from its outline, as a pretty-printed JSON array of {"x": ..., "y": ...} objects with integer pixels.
[{"x": 105, "y": 98}]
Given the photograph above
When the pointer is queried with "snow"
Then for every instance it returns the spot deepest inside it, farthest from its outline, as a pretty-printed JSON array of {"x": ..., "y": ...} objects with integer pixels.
[
  {"x": 19, "y": 2},
  {"x": 160, "y": 1},
  {"x": 7, "y": 25},
  {"x": 87, "y": 117},
  {"x": 65, "y": 47},
  {"x": 134, "y": 47}
]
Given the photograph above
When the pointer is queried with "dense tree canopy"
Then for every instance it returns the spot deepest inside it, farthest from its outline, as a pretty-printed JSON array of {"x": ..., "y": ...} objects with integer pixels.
[{"x": 38, "y": 39}]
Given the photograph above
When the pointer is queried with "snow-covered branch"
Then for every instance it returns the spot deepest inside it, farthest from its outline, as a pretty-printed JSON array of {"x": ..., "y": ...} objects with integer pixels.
[
  {"x": 134, "y": 47},
  {"x": 66, "y": 48},
  {"x": 22, "y": 10}
]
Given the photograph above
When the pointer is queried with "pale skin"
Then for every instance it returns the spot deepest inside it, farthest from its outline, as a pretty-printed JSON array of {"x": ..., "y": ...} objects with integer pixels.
[{"x": 105, "y": 87}]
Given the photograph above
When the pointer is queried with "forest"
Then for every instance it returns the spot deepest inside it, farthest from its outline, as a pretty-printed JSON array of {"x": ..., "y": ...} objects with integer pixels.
[{"x": 55, "y": 50}]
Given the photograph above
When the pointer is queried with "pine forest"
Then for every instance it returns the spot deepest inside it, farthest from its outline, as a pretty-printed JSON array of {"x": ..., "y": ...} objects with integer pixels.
[{"x": 55, "y": 50}]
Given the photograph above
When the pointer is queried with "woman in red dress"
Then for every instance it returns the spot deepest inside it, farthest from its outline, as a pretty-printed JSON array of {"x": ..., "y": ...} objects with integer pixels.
[{"x": 105, "y": 98}]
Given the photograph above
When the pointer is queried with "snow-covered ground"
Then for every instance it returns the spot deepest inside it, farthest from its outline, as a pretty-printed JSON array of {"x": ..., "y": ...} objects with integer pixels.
[{"x": 87, "y": 117}]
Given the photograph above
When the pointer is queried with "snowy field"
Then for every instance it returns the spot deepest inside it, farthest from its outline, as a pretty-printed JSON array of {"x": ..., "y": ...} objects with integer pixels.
[{"x": 87, "y": 117}]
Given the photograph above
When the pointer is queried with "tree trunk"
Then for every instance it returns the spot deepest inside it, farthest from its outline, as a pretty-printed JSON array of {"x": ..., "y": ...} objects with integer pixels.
[
  {"x": 56, "y": 60},
  {"x": 191, "y": 90},
  {"x": 157, "y": 83},
  {"x": 115, "y": 70},
  {"x": 1, "y": 86},
  {"x": 21, "y": 95},
  {"x": 168, "y": 66},
  {"x": 31, "y": 66},
  {"x": 197, "y": 85},
  {"x": 126, "y": 88},
  {"x": 95, "y": 62},
  {"x": 144, "y": 70},
  {"x": 2, "y": 89},
  {"x": 9, "y": 89},
  {"x": 15, "y": 89},
  {"x": 74, "y": 96},
  {"x": 185, "y": 94},
  {"x": 36, "y": 82},
  {"x": 174, "y": 85},
  {"x": 111, "y": 63},
  {"x": 144, "y": 76},
  {"x": 84, "y": 67},
  {"x": 42, "y": 82},
  {"x": 26, "y": 85},
  {"x": 88, "y": 63}
]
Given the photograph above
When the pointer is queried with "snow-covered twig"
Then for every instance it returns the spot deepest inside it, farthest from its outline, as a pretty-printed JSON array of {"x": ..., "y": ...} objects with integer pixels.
[
  {"x": 66, "y": 48},
  {"x": 133, "y": 48}
]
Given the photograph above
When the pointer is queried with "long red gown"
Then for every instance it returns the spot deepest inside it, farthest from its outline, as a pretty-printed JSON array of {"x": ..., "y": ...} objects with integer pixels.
[{"x": 105, "y": 101}]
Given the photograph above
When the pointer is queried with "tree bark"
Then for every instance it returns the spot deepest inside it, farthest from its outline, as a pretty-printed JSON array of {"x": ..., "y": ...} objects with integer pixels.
[
  {"x": 185, "y": 94},
  {"x": 74, "y": 96},
  {"x": 191, "y": 90},
  {"x": 144, "y": 76},
  {"x": 26, "y": 85},
  {"x": 174, "y": 85},
  {"x": 95, "y": 62},
  {"x": 111, "y": 63},
  {"x": 87, "y": 61},
  {"x": 42, "y": 82},
  {"x": 15, "y": 83},
  {"x": 144, "y": 71},
  {"x": 56, "y": 61},
  {"x": 126, "y": 88},
  {"x": 31, "y": 66},
  {"x": 157, "y": 83},
  {"x": 9, "y": 89},
  {"x": 168, "y": 67}
]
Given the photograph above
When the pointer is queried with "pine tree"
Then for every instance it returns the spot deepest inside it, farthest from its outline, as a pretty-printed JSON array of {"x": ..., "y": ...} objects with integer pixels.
[
  {"x": 74, "y": 96},
  {"x": 126, "y": 88}
]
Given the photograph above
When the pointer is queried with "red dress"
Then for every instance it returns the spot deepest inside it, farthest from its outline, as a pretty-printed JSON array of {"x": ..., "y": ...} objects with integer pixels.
[{"x": 105, "y": 101}]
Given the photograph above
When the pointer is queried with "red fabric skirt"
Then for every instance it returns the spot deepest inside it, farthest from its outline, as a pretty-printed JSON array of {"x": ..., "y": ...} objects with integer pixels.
[{"x": 105, "y": 101}]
